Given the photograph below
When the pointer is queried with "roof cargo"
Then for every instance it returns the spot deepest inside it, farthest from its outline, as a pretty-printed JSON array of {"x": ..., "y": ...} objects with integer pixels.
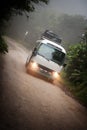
[{"x": 50, "y": 35}]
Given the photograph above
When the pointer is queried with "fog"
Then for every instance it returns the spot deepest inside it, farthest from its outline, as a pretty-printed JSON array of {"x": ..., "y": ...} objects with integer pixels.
[
  {"x": 43, "y": 18},
  {"x": 69, "y": 6}
]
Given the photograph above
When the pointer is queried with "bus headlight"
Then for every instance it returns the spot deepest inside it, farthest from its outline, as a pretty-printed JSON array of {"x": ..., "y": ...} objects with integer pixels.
[
  {"x": 55, "y": 75},
  {"x": 34, "y": 65}
]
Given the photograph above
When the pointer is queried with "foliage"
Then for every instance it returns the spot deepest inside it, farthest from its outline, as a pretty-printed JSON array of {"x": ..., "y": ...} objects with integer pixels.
[
  {"x": 77, "y": 64},
  {"x": 7, "y": 7},
  {"x": 3, "y": 46},
  {"x": 10, "y": 7},
  {"x": 74, "y": 75},
  {"x": 76, "y": 71},
  {"x": 81, "y": 94}
]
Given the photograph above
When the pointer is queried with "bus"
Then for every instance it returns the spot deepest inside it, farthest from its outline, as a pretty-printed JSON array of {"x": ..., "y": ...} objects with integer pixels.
[{"x": 47, "y": 59}]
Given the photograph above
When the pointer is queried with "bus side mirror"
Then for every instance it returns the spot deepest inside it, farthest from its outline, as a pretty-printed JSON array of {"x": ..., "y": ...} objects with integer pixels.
[{"x": 35, "y": 51}]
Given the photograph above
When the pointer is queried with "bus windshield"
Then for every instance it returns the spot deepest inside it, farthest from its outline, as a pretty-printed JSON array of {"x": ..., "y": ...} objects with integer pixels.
[{"x": 50, "y": 52}]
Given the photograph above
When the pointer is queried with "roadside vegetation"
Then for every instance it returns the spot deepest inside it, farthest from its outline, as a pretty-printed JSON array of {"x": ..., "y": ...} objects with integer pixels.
[
  {"x": 3, "y": 46},
  {"x": 75, "y": 73}
]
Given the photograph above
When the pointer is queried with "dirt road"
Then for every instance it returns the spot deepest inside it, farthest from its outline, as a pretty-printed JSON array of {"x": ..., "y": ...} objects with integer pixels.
[{"x": 29, "y": 103}]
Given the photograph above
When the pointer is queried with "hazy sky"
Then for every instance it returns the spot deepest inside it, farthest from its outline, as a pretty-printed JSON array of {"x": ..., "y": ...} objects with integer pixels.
[{"x": 69, "y": 6}]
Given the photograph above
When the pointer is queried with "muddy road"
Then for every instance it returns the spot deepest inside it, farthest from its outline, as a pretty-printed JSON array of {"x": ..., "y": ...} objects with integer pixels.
[{"x": 30, "y": 103}]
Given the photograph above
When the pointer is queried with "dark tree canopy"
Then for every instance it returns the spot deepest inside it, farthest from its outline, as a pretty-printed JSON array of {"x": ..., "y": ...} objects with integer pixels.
[{"x": 9, "y": 7}]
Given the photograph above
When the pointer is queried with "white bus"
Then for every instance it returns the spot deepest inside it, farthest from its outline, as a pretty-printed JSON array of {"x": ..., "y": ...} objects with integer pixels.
[{"x": 47, "y": 59}]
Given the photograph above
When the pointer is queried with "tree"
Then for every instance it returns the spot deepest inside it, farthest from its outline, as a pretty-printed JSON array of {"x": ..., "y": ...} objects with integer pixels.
[
  {"x": 9, "y": 7},
  {"x": 84, "y": 38},
  {"x": 77, "y": 63},
  {"x": 76, "y": 70},
  {"x": 3, "y": 46}
]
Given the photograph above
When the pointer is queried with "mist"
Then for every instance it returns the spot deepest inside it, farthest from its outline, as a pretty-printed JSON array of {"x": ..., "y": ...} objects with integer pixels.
[
  {"x": 45, "y": 17},
  {"x": 69, "y": 6}
]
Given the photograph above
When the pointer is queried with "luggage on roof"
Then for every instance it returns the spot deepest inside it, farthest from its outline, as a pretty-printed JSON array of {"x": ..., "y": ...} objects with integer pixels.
[{"x": 50, "y": 35}]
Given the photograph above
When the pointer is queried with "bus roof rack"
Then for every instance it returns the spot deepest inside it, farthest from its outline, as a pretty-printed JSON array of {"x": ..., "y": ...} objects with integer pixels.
[{"x": 50, "y": 35}]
